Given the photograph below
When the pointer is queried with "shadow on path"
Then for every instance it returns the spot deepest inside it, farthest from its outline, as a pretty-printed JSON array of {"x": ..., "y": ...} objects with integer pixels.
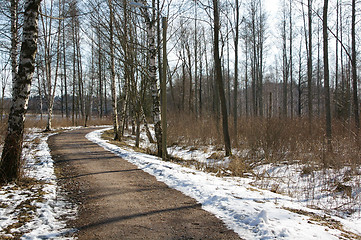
[{"x": 119, "y": 201}]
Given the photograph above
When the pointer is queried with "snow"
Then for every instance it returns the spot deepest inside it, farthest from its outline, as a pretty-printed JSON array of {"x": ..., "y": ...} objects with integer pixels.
[
  {"x": 201, "y": 154},
  {"x": 251, "y": 212},
  {"x": 43, "y": 202},
  {"x": 242, "y": 203},
  {"x": 290, "y": 179}
]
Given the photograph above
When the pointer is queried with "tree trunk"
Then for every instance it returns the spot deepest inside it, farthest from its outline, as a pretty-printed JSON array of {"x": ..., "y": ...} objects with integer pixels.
[
  {"x": 153, "y": 81},
  {"x": 112, "y": 74},
  {"x": 74, "y": 68},
  {"x": 3, "y": 86},
  {"x": 14, "y": 38},
  {"x": 326, "y": 75},
  {"x": 11, "y": 155},
  {"x": 40, "y": 93},
  {"x": 354, "y": 69},
  {"x": 100, "y": 73},
  {"x": 246, "y": 78},
  {"x": 219, "y": 80},
  {"x": 300, "y": 81},
  {"x": 195, "y": 61},
  {"x": 285, "y": 64},
  {"x": 235, "y": 91},
  {"x": 80, "y": 71},
  {"x": 291, "y": 59},
  {"x": 190, "y": 100},
  {"x": 64, "y": 66},
  {"x": 336, "y": 67},
  {"x": 309, "y": 67}
]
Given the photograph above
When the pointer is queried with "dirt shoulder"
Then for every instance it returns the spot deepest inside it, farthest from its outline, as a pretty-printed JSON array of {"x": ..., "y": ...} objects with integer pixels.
[{"x": 119, "y": 201}]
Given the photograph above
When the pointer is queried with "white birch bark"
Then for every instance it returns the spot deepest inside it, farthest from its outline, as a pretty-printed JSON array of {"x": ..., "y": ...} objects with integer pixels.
[
  {"x": 153, "y": 80},
  {"x": 14, "y": 38},
  {"x": 10, "y": 161},
  {"x": 112, "y": 75}
]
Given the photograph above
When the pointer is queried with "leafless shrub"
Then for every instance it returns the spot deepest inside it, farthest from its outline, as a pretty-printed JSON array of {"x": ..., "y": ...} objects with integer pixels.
[
  {"x": 273, "y": 140},
  {"x": 238, "y": 166},
  {"x": 185, "y": 129}
]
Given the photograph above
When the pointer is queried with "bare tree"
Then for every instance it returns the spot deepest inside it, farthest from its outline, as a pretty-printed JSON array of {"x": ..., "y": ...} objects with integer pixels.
[
  {"x": 235, "y": 91},
  {"x": 326, "y": 74},
  {"x": 285, "y": 63},
  {"x": 291, "y": 57},
  {"x": 4, "y": 81},
  {"x": 49, "y": 85},
  {"x": 354, "y": 67},
  {"x": 64, "y": 75},
  {"x": 219, "y": 79},
  {"x": 309, "y": 66},
  {"x": 112, "y": 73}
]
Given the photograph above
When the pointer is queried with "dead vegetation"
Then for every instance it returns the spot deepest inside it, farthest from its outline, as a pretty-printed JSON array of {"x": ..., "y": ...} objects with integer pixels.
[
  {"x": 272, "y": 140},
  {"x": 36, "y": 121},
  {"x": 266, "y": 140},
  {"x": 284, "y": 142},
  {"x": 326, "y": 221}
]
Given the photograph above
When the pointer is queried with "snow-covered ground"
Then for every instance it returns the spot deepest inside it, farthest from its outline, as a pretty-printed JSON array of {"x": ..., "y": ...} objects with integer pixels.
[
  {"x": 37, "y": 210},
  {"x": 250, "y": 211},
  {"x": 336, "y": 191}
]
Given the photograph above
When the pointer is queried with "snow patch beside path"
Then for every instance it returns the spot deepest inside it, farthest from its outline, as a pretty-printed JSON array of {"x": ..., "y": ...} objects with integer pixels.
[
  {"x": 44, "y": 202},
  {"x": 251, "y": 212}
]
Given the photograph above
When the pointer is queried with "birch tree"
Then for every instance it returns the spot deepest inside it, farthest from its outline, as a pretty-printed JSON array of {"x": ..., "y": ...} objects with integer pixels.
[
  {"x": 14, "y": 37},
  {"x": 49, "y": 84},
  {"x": 10, "y": 159},
  {"x": 112, "y": 73},
  {"x": 152, "y": 72}
]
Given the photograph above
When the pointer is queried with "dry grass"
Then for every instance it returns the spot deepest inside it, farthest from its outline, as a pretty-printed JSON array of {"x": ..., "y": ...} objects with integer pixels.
[
  {"x": 184, "y": 129},
  {"x": 34, "y": 121},
  {"x": 283, "y": 142},
  {"x": 273, "y": 140},
  {"x": 238, "y": 166}
]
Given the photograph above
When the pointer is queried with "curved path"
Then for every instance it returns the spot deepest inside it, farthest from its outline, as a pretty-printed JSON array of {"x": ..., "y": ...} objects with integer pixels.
[{"x": 119, "y": 201}]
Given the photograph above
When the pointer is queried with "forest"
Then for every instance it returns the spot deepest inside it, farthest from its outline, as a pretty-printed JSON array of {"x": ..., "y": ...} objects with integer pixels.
[
  {"x": 243, "y": 74},
  {"x": 262, "y": 82},
  {"x": 232, "y": 68}
]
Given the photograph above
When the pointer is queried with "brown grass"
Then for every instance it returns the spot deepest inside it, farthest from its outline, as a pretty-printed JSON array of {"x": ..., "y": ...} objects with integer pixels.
[
  {"x": 272, "y": 140},
  {"x": 282, "y": 142},
  {"x": 184, "y": 129},
  {"x": 32, "y": 121}
]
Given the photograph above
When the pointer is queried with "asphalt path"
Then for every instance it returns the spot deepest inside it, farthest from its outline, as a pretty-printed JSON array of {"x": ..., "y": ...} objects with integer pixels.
[{"x": 119, "y": 201}]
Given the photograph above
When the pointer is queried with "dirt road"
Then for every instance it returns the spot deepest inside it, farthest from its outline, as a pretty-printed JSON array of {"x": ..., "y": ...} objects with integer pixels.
[{"x": 119, "y": 201}]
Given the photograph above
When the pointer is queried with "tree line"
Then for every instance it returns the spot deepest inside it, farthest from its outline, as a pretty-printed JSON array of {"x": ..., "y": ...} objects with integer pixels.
[{"x": 226, "y": 59}]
